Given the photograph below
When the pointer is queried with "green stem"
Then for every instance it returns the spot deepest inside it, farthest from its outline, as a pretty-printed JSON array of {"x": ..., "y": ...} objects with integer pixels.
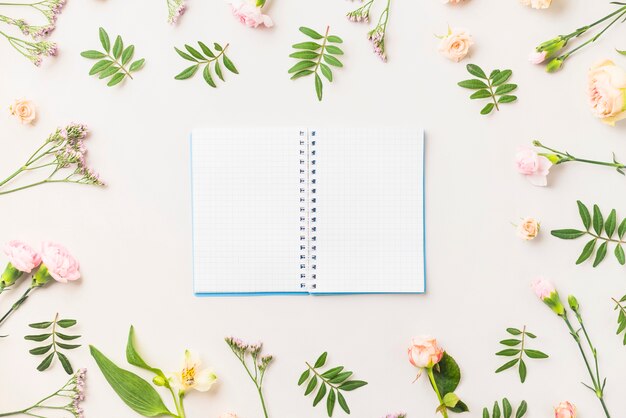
[
  {"x": 493, "y": 95},
  {"x": 319, "y": 59},
  {"x": 431, "y": 376},
  {"x": 521, "y": 353},
  {"x": 584, "y": 29},
  {"x": 321, "y": 377},
  {"x": 606, "y": 239},
  {"x": 262, "y": 402},
  {"x": 596, "y": 37},
  {"x": 17, "y": 304},
  {"x": 119, "y": 64}
]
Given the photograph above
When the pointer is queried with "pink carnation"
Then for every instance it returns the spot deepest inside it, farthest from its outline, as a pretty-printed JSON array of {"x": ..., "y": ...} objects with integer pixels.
[
  {"x": 22, "y": 256},
  {"x": 61, "y": 265},
  {"x": 534, "y": 166},
  {"x": 542, "y": 288},
  {"x": 250, "y": 15}
]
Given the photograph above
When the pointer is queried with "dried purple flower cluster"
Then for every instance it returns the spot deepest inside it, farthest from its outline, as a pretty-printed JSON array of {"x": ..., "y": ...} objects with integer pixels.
[
  {"x": 377, "y": 38},
  {"x": 175, "y": 9},
  {"x": 69, "y": 149},
  {"x": 377, "y": 35}
]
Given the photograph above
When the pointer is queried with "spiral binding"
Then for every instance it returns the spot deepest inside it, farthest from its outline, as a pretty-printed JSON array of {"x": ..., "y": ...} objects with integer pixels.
[{"x": 308, "y": 211}]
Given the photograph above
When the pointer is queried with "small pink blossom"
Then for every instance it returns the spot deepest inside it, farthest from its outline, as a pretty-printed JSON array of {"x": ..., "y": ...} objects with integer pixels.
[
  {"x": 534, "y": 166},
  {"x": 425, "y": 352},
  {"x": 537, "y": 57},
  {"x": 61, "y": 265},
  {"x": 565, "y": 410},
  {"x": 22, "y": 256},
  {"x": 250, "y": 15},
  {"x": 543, "y": 288}
]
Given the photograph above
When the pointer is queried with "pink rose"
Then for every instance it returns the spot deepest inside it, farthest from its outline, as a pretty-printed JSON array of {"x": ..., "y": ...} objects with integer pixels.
[
  {"x": 425, "y": 352},
  {"x": 607, "y": 92},
  {"x": 565, "y": 410},
  {"x": 456, "y": 44},
  {"x": 22, "y": 256},
  {"x": 528, "y": 229},
  {"x": 61, "y": 265},
  {"x": 543, "y": 288},
  {"x": 534, "y": 166},
  {"x": 24, "y": 110},
  {"x": 250, "y": 15}
]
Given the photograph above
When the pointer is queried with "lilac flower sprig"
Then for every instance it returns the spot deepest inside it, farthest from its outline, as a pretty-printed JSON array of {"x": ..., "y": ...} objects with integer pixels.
[
  {"x": 63, "y": 156},
  {"x": 377, "y": 35},
  {"x": 362, "y": 14},
  {"x": 50, "y": 9},
  {"x": 33, "y": 51},
  {"x": 259, "y": 363},
  {"x": 175, "y": 9},
  {"x": 68, "y": 399}
]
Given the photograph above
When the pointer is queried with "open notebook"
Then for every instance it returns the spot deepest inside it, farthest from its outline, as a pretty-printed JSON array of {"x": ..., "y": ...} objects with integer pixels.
[{"x": 308, "y": 211}]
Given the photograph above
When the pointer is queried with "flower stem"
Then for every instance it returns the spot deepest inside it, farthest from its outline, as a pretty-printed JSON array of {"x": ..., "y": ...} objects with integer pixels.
[
  {"x": 596, "y": 37},
  {"x": 17, "y": 304},
  {"x": 431, "y": 376}
]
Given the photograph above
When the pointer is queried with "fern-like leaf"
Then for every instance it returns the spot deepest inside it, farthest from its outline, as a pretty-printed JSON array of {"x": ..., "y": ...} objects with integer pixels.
[
  {"x": 53, "y": 344},
  {"x": 494, "y": 87},
  {"x": 517, "y": 347},
  {"x": 205, "y": 56}
]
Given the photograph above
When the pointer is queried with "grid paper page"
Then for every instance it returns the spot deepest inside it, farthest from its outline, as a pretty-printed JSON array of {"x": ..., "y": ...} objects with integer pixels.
[
  {"x": 245, "y": 210},
  {"x": 370, "y": 216}
]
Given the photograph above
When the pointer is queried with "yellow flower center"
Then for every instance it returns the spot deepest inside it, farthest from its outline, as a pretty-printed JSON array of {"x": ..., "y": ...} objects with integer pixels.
[{"x": 189, "y": 376}]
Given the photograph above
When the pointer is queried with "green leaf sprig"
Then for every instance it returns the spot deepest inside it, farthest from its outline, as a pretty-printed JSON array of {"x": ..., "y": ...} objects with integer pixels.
[
  {"x": 621, "y": 52},
  {"x": 210, "y": 60},
  {"x": 315, "y": 57},
  {"x": 54, "y": 337},
  {"x": 506, "y": 411},
  {"x": 492, "y": 87},
  {"x": 520, "y": 341},
  {"x": 620, "y": 305},
  {"x": 333, "y": 382},
  {"x": 610, "y": 228},
  {"x": 113, "y": 62}
]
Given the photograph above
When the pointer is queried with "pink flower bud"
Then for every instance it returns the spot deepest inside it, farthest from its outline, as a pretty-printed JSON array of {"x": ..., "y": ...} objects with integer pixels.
[
  {"x": 565, "y": 410},
  {"x": 425, "y": 352}
]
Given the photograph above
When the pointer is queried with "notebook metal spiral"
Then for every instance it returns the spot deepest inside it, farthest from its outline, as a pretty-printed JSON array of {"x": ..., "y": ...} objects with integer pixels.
[{"x": 308, "y": 211}]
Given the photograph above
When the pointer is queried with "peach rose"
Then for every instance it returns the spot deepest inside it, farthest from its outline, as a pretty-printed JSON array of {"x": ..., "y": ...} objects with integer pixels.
[
  {"x": 534, "y": 166},
  {"x": 607, "y": 92},
  {"x": 565, "y": 410},
  {"x": 537, "y": 4},
  {"x": 22, "y": 256},
  {"x": 24, "y": 110},
  {"x": 60, "y": 264},
  {"x": 250, "y": 15},
  {"x": 424, "y": 352},
  {"x": 528, "y": 229},
  {"x": 456, "y": 44},
  {"x": 452, "y": 1}
]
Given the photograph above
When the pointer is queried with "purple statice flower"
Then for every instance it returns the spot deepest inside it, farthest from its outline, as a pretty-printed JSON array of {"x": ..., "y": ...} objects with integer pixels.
[
  {"x": 399, "y": 415},
  {"x": 175, "y": 9},
  {"x": 377, "y": 38},
  {"x": 362, "y": 14}
]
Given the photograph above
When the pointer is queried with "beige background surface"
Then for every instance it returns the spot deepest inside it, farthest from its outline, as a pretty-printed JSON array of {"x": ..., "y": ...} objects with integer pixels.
[{"x": 133, "y": 238}]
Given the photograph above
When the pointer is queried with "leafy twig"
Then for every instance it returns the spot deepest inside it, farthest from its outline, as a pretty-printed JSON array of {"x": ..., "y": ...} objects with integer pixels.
[
  {"x": 210, "y": 60},
  {"x": 311, "y": 54},
  {"x": 600, "y": 225},
  {"x": 620, "y": 305},
  {"x": 492, "y": 87},
  {"x": 333, "y": 382},
  {"x": 519, "y": 352},
  {"x": 113, "y": 62},
  {"x": 507, "y": 410},
  {"x": 55, "y": 344}
]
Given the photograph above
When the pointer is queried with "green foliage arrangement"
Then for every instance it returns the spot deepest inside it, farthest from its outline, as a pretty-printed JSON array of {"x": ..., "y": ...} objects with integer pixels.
[
  {"x": 205, "y": 56},
  {"x": 54, "y": 338},
  {"x": 518, "y": 349},
  {"x": 494, "y": 87}
]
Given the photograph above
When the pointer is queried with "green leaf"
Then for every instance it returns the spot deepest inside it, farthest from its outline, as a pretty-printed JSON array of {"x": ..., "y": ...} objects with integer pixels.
[
  {"x": 494, "y": 73},
  {"x": 587, "y": 251},
  {"x": 507, "y": 365},
  {"x": 342, "y": 403},
  {"x": 185, "y": 55},
  {"x": 104, "y": 40},
  {"x": 301, "y": 74},
  {"x": 331, "y": 49},
  {"x": 508, "y": 352},
  {"x": 481, "y": 94},
  {"x": 206, "y": 74},
  {"x": 352, "y": 385},
  {"x": 329, "y": 374},
  {"x": 473, "y": 84},
  {"x": 311, "y": 386},
  {"x": 530, "y": 334},
  {"x": 68, "y": 346},
  {"x": 187, "y": 72},
  {"x": 448, "y": 374},
  {"x": 332, "y": 61},
  {"x": 302, "y": 65},
  {"x": 116, "y": 79},
  {"x": 127, "y": 55},
  {"x": 312, "y": 46},
  {"x": 65, "y": 363},
  {"x": 305, "y": 55},
  {"x": 513, "y": 331},
  {"x": 584, "y": 214},
  {"x": 137, "y": 65},
  {"x": 326, "y": 71},
  {"x": 567, "y": 233},
  {"x": 496, "y": 410},
  {"x": 218, "y": 47},
  {"x": 598, "y": 222},
  {"x": 207, "y": 51},
  {"x": 40, "y": 325},
  {"x": 505, "y": 88},
  {"x": 109, "y": 72},
  {"x": 450, "y": 400},
  {"x": 318, "y": 87},
  {"x": 536, "y": 354},
  {"x": 611, "y": 223},
  {"x": 621, "y": 230},
  {"x": 138, "y": 394},
  {"x": 485, "y": 413},
  {"x": 134, "y": 358},
  {"x": 334, "y": 39},
  {"x": 218, "y": 70},
  {"x": 340, "y": 378},
  {"x": 601, "y": 253},
  {"x": 501, "y": 77},
  {"x": 511, "y": 343},
  {"x": 487, "y": 109},
  {"x": 40, "y": 350},
  {"x": 507, "y": 409},
  {"x": 320, "y": 394},
  {"x": 39, "y": 338},
  {"x": 507, "y": 99},
  {"x": 476, "y": 71},
  {"x": 93, "y": 55},
  {"x": 194, "y": 52},
  {"x": 118, "y": 47},
  {"x": 310, "y": 33},
  {"x": 303, "y": 377},
  {"x": 619, "y": 254},
  {"x": 330, "y": 402},
  {"x": 46, "y": 362},
  {"x": 521, "y": 410},
  {"x": 621, "y": 52},
  {"x": 229, "y": 64}
]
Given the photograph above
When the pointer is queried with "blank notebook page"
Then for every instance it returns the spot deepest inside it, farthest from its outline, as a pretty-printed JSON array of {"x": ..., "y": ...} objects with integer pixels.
[
  {"x": 245, "y": 210},
  {"x": 369, "y": 210}
]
